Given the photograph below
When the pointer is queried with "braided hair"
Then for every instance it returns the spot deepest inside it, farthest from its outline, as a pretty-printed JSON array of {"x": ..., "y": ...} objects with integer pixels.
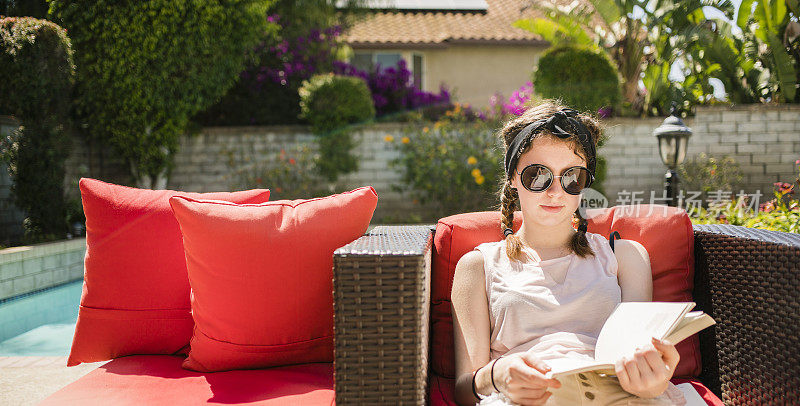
[{"x": 508, "y": 194}]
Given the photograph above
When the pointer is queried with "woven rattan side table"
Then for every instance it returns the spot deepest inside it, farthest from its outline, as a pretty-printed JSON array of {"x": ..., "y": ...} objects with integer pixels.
[
  {"x": 749, "y": 281},
  {"x": 381, "y": 288}
]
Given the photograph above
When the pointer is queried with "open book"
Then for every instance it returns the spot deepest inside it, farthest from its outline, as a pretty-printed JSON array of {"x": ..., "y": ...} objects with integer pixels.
[{"x": 632, "y": 324}]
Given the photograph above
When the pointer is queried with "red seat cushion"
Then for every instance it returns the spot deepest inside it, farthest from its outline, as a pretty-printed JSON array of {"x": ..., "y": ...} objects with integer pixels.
[
  {"x": 135, "y": 288},
  {"x": 667, "y": 236},
  {"x": 442, "y": 391},
  {"x": 261, "y": 277},
  {"x": 160, "y": 380}
]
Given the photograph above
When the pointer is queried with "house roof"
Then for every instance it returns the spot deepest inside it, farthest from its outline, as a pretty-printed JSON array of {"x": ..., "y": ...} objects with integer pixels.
[{"x": 420, "y": 29}]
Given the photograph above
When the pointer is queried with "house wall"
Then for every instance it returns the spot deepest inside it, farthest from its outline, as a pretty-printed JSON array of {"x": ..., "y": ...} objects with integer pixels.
[{"x": 474, "y": 72}]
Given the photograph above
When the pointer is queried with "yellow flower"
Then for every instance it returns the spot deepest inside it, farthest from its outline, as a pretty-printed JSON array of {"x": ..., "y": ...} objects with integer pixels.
[
  {"x": 472, "y": 160},
  {"x": 425, "y": 129},
  {"x": 405, "y": 140},
  {"x": 436, "y": 125},
  {"x": 480, "y": 179},
  {"x": 388, "y": 138},
  {"x": 476, "y": 173}
]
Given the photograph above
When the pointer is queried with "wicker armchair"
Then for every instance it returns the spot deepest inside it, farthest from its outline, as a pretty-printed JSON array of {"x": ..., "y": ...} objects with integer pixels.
[{"x": 747, "y": 279}]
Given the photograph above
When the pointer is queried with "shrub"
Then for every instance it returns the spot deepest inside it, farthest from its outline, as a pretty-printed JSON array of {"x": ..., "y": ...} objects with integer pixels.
[
  {"x": 266, "y": 92},
  {"x": 454, "y": 165},
  {"x": 330, "y": 103},
  {"x": 37, "y": 71},
  {"x": 145, "y": 67},
  {"x": 581, "y": 77},
  {"x": 288, "y": 175},
  {"x": 781, "y": 213},
  {"x": 707, "y": 173}
]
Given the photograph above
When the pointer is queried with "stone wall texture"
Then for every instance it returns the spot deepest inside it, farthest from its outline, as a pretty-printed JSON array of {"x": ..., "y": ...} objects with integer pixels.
[
  {"x": 26, "y": 269},
  {"x": 763, "y": 139}
]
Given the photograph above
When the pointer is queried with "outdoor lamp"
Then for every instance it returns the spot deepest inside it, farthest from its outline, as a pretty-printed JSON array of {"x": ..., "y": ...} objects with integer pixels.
[{"x": 673, "y": 135}]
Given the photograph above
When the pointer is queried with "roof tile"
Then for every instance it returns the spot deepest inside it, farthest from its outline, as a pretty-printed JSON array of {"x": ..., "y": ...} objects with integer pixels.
[{"x": 438, "y": 28}]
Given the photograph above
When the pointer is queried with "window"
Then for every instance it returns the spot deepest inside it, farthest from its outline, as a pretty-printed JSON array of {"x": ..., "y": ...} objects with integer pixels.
[
  {"x": 417, "y": 69},
  {"x": 367, "y": 61},
  {"x": 387, "y": 60},
  {"x": 362, "y": 61}
]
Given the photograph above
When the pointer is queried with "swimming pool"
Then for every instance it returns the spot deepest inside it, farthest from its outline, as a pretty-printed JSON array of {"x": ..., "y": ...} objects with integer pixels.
[{"x": 42, "y": 323}]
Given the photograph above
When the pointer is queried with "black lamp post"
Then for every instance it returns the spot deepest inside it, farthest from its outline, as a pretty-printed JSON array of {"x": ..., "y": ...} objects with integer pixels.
[{"x": 673, "y": 135}]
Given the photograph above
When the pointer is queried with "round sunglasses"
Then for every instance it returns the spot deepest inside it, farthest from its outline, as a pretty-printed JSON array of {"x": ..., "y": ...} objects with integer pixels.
[{"x": 538, "y": 178}]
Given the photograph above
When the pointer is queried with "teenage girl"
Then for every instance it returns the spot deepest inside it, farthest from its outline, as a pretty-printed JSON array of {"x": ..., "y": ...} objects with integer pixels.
[{"x": 545, "y": 291}]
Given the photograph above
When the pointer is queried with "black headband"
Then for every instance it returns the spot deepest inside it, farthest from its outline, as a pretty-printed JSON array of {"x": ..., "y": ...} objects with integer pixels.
[{"x": 559, "y": 124}]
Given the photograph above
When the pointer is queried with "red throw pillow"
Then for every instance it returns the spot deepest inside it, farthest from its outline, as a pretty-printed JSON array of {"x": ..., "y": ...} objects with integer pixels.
[
  {"x": 666, "y": 233},
  {"x": 261, "y": 277},
  {"x": 135, "y": 288}
]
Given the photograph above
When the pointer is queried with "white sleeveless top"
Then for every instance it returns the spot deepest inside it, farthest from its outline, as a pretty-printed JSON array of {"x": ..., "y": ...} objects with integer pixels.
[{"x": 556, "y": 306}]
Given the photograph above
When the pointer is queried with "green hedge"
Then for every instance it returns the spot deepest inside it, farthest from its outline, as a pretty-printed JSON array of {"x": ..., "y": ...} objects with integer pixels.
[
  {"x": 145, "y": 67},
  {"x": 580, "y": 77},
  {"x": 330, "y": 103},
  {"x": 36, "y": 72}
]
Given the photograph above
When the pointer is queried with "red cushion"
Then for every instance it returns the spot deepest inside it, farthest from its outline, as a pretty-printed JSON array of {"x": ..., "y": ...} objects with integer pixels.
[
  {"x": 442, "y": 391},
  {"x": 160, "y": 380},
  {"x": 135, "y": 293},
  {"x": 261, "y": 277},
  {"x": 668, "y": 239}
]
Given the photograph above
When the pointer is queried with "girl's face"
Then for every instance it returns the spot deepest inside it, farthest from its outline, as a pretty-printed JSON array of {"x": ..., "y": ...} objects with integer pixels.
[{"x": 553, "y": 206}]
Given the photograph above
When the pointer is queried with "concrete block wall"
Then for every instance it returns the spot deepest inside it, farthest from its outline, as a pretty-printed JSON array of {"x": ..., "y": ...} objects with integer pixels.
[
  {"x": 764, "y": 140},
  {"x": 25, "y": 269},
  {"x": 208, "y": 161}
]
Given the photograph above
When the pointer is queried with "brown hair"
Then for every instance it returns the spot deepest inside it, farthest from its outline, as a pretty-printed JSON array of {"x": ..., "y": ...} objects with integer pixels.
[{"x": 508, "y": 195}]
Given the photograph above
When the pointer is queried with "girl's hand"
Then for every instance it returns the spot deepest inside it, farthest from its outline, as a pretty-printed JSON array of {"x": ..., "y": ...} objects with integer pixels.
[
  {"x": 647, "y": 374},
  {"x": 521, "y": 377}
]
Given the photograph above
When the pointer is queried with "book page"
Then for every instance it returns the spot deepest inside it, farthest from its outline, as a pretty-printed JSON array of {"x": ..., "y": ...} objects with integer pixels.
[
  {"x": 568, "y": 366},
  {"x": 691, "y": 323},
  {"x": 690, "y": 394},
  {"x": 632, "y": 324}
]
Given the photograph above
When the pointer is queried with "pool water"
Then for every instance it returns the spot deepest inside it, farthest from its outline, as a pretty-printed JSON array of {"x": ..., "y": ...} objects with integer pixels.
[{"x": 40, "y": 324}]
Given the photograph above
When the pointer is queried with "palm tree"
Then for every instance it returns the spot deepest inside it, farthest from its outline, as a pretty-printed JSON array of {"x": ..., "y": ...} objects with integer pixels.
[
  {"x": 769, "y": 22},
  {"x": 633, "y": 33}
]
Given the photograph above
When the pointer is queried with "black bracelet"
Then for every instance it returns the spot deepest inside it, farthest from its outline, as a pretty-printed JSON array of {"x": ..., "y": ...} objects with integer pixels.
[
  {"x": 495, "y": 386},
  {"x": 474, "y": 389}
]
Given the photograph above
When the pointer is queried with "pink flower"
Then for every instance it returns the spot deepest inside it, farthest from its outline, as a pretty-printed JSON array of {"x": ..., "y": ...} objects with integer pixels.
[{"x": 784, "y": 188}]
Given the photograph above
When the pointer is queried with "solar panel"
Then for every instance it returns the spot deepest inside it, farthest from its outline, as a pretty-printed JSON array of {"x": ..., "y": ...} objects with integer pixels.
[{"x": 456, "y": 5}]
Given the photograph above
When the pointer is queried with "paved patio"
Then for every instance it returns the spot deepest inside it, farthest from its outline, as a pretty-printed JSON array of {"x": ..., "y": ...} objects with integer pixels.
[{"x": 29, "y": 380}]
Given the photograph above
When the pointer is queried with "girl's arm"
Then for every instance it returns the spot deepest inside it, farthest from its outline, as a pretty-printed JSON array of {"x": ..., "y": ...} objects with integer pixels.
[
  {"x": 520, "y": 376},
  {"x": 634, "y": 273},
  {"x": 470, "y": 328},
  {"x": 647, "y": 373}
]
